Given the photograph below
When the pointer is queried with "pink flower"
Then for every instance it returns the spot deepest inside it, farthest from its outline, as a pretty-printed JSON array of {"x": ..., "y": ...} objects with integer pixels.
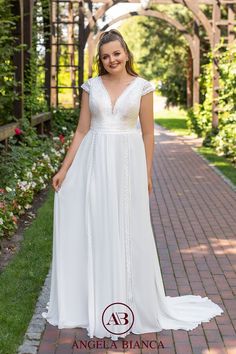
[
  {"x": 2, "y": 190},
  {"x": 18, "y": 131}
]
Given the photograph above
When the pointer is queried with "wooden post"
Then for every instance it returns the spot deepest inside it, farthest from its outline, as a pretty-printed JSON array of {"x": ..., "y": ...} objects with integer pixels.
[
  {"x": 71, "y": 52},
  {"x": 58, "y": 38},
  {"x": 53, "y": 101},
  {"x": 28, "y": 28},
  {"x": 18, "y": 59},
  {"x": 47, "y": 41},
  {"x": 28, "y": 24},
  {"x": 216, "y": 16},
  {"x": 196, "y": 63},
  {"x": 190, "y": 80}
]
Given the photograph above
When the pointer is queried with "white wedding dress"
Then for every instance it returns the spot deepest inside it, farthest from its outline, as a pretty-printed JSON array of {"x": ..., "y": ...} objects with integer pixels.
[{"x": 103, "y": 244}]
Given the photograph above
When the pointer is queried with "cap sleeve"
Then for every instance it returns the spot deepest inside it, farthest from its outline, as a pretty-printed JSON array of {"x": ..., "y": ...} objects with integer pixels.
[
  {"x": 148, "y": 87},
  {"x": 86, "y": 86}
]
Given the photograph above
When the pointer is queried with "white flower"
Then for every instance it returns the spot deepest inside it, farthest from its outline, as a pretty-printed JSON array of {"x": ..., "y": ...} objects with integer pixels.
[
  {"x": 24, "y": 185},
  {"x": 1, "y": 221},
  {"x": 27, "y": 206},
  {"x": 33, "y": 184},
  {"x": 46, "y": 157},
  {"x": 29, "y": 175},
  {"x": 64, "y": 128},
  {"x": 8, "y": 189}
]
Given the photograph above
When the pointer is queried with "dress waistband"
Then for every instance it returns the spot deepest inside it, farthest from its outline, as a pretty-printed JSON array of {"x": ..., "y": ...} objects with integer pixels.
[{"x": 115, "y": 131}]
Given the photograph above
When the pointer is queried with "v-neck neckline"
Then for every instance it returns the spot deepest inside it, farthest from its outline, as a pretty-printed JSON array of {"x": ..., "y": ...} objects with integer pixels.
[{"x": 117, "y": 99}]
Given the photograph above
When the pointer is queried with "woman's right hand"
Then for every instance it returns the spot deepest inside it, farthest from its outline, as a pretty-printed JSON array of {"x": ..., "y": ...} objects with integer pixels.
[{"x": 58, "y": 179}]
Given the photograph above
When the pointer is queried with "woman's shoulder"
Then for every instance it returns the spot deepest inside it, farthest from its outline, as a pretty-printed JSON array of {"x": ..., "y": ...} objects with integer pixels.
[
  {"x": 147, "y": 86},
  {"x": 87, "y": 84}
]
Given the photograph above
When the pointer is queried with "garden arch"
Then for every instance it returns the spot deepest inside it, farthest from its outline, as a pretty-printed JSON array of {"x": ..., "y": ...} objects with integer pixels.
[{"x": 193, "y": 42}]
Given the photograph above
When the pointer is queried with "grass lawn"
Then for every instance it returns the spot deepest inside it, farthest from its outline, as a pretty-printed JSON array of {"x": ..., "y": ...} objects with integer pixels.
[
  {"x": 23, "y": 278},
  {"x": 175, "y": 120}
]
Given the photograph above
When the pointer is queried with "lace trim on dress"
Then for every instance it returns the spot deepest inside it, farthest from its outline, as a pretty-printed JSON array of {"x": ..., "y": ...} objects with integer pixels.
[
  {"x": 127, "y": 205},
  {"x": 148, "y": 87},
  {"x": 91, "y": 290}
]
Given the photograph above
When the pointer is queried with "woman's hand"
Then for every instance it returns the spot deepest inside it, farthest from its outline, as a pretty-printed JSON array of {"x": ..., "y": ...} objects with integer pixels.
[
  {"x": 58, "y": 179},
  {"x": 149, "y": 184}
]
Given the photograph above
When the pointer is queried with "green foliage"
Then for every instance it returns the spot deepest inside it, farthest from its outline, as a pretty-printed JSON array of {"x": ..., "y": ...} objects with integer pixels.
[
  {"x": 161, "y": 52},
  {"x": 225, "y": 141},
  {"x": 35, "y": 100},
  {"x": 163, "y": 58},
  {"x": 63, "y": 117},
  {"x": 7, "y": 49},
  {"x": 221, "y": 138}
]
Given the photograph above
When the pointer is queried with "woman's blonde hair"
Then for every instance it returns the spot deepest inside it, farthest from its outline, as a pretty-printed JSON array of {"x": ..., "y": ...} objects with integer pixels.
[{"x": 109, "y": 36}]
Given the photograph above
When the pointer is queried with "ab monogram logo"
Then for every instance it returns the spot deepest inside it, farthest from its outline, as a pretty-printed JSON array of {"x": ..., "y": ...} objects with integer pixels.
[{"x": 118, "y": 318}]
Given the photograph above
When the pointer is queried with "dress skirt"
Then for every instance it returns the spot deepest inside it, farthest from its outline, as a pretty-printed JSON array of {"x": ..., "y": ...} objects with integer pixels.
[{"x": 103, "y": 244}]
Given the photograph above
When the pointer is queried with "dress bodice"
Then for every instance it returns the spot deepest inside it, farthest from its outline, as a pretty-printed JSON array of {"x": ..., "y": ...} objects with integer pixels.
[{"x": 123, "y": 115}]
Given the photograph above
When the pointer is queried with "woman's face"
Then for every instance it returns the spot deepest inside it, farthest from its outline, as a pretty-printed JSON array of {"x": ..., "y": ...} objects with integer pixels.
[{"x": 113, "y": 57}]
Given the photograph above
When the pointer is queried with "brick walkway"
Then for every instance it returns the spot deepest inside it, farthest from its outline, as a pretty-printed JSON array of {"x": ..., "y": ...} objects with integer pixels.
[{"x": 194, "y": 219}]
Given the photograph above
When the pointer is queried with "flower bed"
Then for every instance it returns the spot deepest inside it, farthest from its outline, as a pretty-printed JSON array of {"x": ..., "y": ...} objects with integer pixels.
[
  {"x": 29, "y": 166},
  {"x": 18, "y": 195}
]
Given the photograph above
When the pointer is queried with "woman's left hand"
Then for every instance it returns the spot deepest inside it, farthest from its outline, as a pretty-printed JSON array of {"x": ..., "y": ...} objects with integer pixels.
[{"x": 149, "y": 184}]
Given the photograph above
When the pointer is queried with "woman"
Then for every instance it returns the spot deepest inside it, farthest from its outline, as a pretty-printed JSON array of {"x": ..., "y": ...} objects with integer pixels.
[{"x": 104, "y": 254}]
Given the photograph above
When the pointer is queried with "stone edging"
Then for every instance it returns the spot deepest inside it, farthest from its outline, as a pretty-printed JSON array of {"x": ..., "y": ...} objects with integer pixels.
[{"x": 37, "y": 324}]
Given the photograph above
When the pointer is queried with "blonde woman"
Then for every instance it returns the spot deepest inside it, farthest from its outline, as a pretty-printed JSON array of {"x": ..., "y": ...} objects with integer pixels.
[{"x": 104, "y": 253}]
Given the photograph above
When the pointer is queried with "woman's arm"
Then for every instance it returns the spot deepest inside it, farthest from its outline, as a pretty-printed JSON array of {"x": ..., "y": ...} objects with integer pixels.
[
  {"x": 146, "y": 117},
  {"x": 81, "y": 131}
]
